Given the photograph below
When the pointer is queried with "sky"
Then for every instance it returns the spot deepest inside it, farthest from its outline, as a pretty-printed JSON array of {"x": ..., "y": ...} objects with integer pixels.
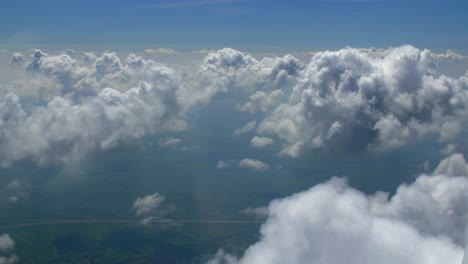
[{"x": 250, "y": 25}]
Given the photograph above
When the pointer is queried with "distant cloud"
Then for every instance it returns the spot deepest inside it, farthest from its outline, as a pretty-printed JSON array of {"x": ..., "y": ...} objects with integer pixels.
[
  {"x": 258, "y": 212},
  {"x": 254, "y": 164},
  {"x": 161, "y": 50},
  {"x": 250, "y": 126},
  {"x": 148, "y": 204},
  {"x": 260, "y": 142},
  {"x": 204, "y": 51},
  {"x": 223, "y": 164},
  {"x": 344, "y": 100},
  {"x": 170, "y": 141}
]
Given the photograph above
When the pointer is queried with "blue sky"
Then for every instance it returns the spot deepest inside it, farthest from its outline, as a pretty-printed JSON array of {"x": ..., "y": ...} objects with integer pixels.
[{"x": 256, "y": 24}]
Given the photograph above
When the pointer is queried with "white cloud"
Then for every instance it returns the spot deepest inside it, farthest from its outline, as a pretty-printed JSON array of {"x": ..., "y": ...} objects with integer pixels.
[
  {"x": 223, "y": 164},
  {"x": 148, "y": 204},
  {"x": 161, "y": 50},
  {"x": 250, "y": 126},
  {"x": 258, "y": 212},
  {"x": 342, "y": 100},
  {"x": 254, "y": 164},
  {"x": 423, "y": 222},
  {"x": 379, "y": 102},
  {"x": 6, "y": 247},
  {"x": 455, "y": 165},
  {"x": 260, "y": 142},
  {"x": 331, "y": 223},
  {"x": 6, "y": 243},
  {"x": 170, "y": 141}
]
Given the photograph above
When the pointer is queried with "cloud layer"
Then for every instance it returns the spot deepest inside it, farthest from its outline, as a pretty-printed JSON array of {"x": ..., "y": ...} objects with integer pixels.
[{"x": 350, "y": 99}]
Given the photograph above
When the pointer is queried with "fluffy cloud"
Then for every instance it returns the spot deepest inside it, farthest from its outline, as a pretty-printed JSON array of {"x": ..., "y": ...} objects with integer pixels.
[
  {"x": 147, "y": 205},
  {"x": 253, "y": 164},
  {"x": 65, "y": 128},
  {"x": 6, "y": 243},
  {"x": 436, "y": 205},
  {"x": 330, "y": 223},
  {"x": 348, "y": 99},
  {"x": 236, "y": 69},
  {"x": 6, "y": 247},
  {"x": 260, "y": 142},
  {"x": 455, "y": 165},
  {"x": 250, "y": 126}
]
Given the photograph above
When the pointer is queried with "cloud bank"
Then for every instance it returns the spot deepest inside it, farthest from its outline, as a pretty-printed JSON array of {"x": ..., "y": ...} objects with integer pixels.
[
  {"x": 59, "y": 107},
  {"x": 349, "y": 100}
]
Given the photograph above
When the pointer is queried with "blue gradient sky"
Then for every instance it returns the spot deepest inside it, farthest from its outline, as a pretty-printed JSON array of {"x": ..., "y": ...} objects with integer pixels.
[{"x": 257, "y": 24}]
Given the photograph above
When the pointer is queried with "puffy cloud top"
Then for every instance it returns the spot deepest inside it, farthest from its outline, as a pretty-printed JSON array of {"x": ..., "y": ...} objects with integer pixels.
[
  {"x": 423, "y": 222},
  {"x": 377, "y": 102},
  {"x": 257, "y": 165},
  {"x": 147, "y": 204},
  {"x": 342, "y": 100}
]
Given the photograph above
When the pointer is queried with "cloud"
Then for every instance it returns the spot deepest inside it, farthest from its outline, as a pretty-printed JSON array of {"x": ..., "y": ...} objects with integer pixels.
[
  {"x": 74, "y": 122},
  {"x": 260, "y": 142},
  {"x": 6, "y": 243},
  {"x": 334, "y": 223},
  {"x": 258, "y": 212},
  {"x": 254, "y": 164},
  {"x": 222, "y": 164},
  {"x": 374, "y": 102},
  {"x": 345, "y": 100},
  {"x": 6, "y": 247},
  {"x": 250, "y": 126},
  {"x": 455, "y": 165},
  {"x": 170, "y": 141},
  {"x": 147, "y": 205},
  {"x": 17, "y": 59},
  {"x": 161, "y": 50}
]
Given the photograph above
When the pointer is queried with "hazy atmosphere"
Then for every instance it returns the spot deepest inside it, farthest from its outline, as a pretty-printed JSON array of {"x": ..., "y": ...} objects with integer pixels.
[{"x": 234, "y": 132}]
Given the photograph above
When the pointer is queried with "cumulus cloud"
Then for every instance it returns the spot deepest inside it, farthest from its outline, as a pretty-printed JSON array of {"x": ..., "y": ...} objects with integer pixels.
[
  {"x": 148, "y": 204},
  {"x": 260, "y": 142},
  {"x": 423, "y": 222},
  {"x": 455, "y": 165},
  {"x": 6, "y": 247},
  {"x": 250, "y": 126},
  {"x": 6, "y": 243},
  {"x": 374, "y": 102},
  {"x": 117, "y": 100},
  {"x": 17, "y": 58},
  {"x": 350, "y": 99},
  {"x": 253, "y": 164},
  {"x": 65, "y": 128}
]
